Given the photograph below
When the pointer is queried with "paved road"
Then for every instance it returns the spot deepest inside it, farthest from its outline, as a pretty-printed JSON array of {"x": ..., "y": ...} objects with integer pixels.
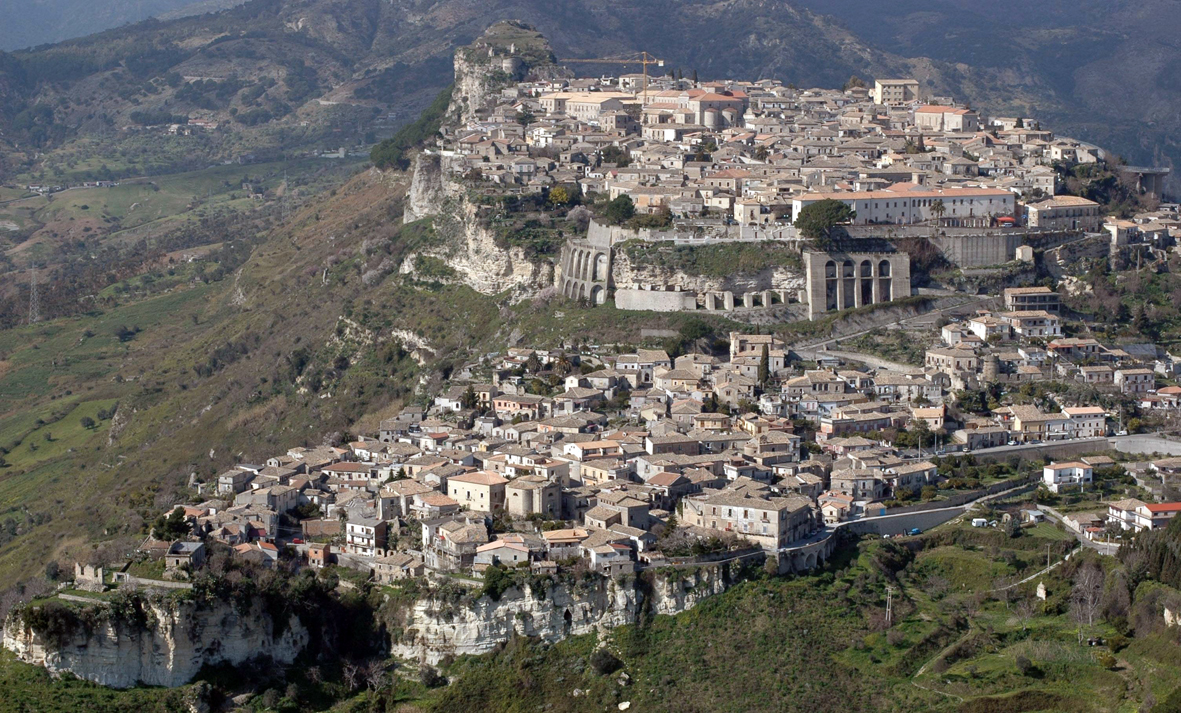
[{"x": 1103, "y": 548}]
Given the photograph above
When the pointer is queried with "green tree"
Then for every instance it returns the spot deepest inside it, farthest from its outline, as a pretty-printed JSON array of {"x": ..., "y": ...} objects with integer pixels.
[
  {"x": 469, "y": 400},
  {"x": 87, "y": 422},
  {"x": 854, "y": 81},
  {"x": 619, "y": 210},
  {"x": 172, "y": 527},
  {"x": 394, "y": 151},
  {"x": 818, "y": 222},
  {"x": 1013, "y": 527}
]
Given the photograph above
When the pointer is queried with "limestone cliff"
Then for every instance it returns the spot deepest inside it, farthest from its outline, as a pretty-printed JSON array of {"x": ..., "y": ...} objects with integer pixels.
[
  {"x": 170, "y": 638},
  {"x": 435, "y": 629},
  {"x": 507, "y": 52},
  {"x": 167, "y": 648},
  {"x": 428, "y": 189},
  {"x": 466, "y": 245}
]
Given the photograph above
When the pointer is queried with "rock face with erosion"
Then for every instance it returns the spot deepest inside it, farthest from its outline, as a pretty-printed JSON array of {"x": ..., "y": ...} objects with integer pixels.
[
  {"x": 435, "y": 629},
  {"x": 174, "y": 638},
  {"x": 465, "y": 243},
  {"x": 178, "y": 638}
]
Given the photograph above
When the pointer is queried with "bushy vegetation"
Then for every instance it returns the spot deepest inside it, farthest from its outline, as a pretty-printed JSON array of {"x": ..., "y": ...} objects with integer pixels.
[
  {"x": 394, "y": 152},
  {"x": 712, "y": 260}
]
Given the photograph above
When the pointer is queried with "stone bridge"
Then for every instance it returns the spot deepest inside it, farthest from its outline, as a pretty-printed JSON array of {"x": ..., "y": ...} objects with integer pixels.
[
  {"x": 585, "y": 271},
  {"x": 843, "y": 280}
]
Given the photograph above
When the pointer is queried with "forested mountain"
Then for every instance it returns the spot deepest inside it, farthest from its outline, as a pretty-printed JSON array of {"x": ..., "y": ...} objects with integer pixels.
[{"x": 1104, "y": 72}]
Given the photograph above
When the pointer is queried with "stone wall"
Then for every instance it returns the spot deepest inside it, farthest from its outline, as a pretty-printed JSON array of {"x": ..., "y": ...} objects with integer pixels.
[
  {"x": 655, "y": 301},
  {"x": 584, "y": 270}
]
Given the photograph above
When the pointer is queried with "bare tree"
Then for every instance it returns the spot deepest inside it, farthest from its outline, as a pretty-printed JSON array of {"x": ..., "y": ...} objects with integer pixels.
[
  {"x": 375, "y": 675},
  {"x": 1024, "y": 612},
  {"x": 313, "y": 675},
  {"x": 1086, "y": 595},
  {"x": 351, "y": 675}
]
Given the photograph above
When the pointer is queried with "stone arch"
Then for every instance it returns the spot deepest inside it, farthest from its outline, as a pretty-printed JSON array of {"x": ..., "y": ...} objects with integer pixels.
[
  {"x": 865, "y": 282},
  {"x": 601, "y": 267},
  {"x": 598, "y": 295},
  {"x": 848, "y": 283},
  {"x": 830, "y": 286},
  {"x": 885, "y": 282},
  {"x": 582, "y": 292}
]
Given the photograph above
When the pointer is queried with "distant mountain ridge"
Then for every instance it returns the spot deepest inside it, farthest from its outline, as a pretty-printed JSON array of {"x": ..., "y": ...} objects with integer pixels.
[
  {"x": 277, "y": 61},
  {"x": 1101, "y": 71},
  {"x": 28, "y": 23}
]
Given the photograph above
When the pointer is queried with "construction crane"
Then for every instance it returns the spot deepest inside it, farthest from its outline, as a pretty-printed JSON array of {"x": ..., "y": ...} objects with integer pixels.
[{"x": 643, "y": 58}]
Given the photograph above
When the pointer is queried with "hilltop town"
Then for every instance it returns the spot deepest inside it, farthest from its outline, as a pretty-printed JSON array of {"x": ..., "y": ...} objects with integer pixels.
[
  {"x": 616, "y": 458},
  {"x": 625, "y": 460},
  {"x": 855, "y": 321}
]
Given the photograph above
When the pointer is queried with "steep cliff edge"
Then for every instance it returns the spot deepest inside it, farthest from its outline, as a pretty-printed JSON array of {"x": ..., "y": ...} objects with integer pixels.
[
  {"x": 464, "y": 242},
  {"x": 165, "y": 640},
  {"x": 165, "y": 644},
  {"x": 508, "y": 51},
  {"x": 434, "y": 629}
]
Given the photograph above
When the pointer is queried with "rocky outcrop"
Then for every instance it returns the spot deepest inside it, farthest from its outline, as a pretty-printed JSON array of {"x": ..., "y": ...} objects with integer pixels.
[
  {"x": 428, "y": 189},
  {"x": 435, "y": 629},
  {"x": 464, "y": 242},
  {"x": 170, "y": 639},
  {"x": 629, "y": 274},
  {"x": 508, "y": 51},
  {"x": 177, "y": 639}
]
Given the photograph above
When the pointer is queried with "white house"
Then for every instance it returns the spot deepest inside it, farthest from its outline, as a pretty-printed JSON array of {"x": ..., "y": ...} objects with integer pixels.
[{"x": 1063, "y": 476}]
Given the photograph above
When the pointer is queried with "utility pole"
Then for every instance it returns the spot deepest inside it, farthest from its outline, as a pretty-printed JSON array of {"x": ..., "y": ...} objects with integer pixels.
[
  {"x": 34, "y": 298},
  {"x": 889, "y": 606}
]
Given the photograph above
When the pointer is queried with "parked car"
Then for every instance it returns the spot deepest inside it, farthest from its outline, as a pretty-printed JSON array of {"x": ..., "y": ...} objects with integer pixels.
[{"x": 915, "y": 531}]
